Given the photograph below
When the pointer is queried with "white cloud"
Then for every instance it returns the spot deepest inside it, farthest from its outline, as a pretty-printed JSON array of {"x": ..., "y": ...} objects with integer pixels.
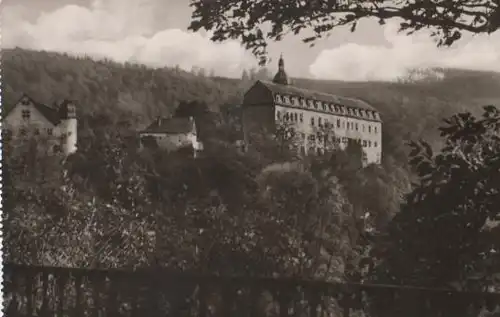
[
  {"x": 123, "y": 33},
  {"x": 357, "y": 62}
]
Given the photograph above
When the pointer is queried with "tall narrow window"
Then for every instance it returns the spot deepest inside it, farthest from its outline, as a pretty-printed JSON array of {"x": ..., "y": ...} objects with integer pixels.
[
  {"x": 319, "y": 122},
  {"x": 312, "y": 121},
  {"x": 301, "y": 117}
]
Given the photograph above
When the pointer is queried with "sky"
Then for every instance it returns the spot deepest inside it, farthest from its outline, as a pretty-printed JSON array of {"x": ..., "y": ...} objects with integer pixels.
[{"x": 154, "y": 32}]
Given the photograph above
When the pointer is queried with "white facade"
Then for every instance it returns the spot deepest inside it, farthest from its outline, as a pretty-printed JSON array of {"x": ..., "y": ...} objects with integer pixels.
[
  {"x": 173, "y": 134},
  {"x": 172, "y": 142},
  {"x": 317, "y": 131},
  {"x": 28, "y": 119}
]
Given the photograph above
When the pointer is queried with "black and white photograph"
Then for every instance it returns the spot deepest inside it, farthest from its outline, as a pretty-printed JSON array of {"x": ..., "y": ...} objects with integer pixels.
[{"x": 253, "y": 158}]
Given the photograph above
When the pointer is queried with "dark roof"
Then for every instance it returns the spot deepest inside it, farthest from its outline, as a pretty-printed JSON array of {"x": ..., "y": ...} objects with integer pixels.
[
  {"x": 50, "y": 113},
  {"x": 175, "y": 125},
  {"x": 316, "y": 95}
]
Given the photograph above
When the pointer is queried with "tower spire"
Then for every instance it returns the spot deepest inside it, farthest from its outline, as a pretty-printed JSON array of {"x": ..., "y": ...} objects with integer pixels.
[{"x": 281, "y": 76}]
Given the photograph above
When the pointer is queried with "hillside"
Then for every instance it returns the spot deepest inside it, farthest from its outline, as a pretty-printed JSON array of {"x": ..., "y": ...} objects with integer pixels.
[{"x": 409, "y": 110}]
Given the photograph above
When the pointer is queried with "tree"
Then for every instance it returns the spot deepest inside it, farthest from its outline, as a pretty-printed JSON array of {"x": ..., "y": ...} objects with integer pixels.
[
  {"x": 245, "y": 19},
  {"x": 447, "y": 234}
]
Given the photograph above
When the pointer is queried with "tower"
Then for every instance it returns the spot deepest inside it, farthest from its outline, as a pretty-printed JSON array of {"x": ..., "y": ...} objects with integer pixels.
[
  {"x": 281, "y": 76},
  {"x": 67, "y": 113}
]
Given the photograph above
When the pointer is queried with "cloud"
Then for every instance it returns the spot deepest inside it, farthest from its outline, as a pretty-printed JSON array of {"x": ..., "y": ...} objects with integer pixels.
[
  {"x": 357, "y": 62},
  {"x": 108, "y": 29}
]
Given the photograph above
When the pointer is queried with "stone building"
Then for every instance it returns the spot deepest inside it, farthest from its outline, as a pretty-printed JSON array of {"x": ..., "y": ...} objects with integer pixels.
[
  {"x": 30, "y": 119},
  {"x": 319, "y": 120},
  {"x": 172, "y": 134}
]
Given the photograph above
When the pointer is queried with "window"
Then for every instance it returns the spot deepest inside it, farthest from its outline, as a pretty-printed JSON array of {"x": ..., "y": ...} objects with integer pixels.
[
  {"x": 296, "y": 116},
  {"x": 338, "y": 123},
  {"x": 330, "y": 107},
  {"x": 369, "y": 129},
  {"x": 357, "y": 126},
  {"x": 49, "y": 131},
  {"x": 324, "y": 106},
  {"x": 6, "y": 134},
  {"x": 375, "y": 129},
  {"x": 320, "y": 137},
  {"x": 312, "y": 138},
  {"x": 37, "y": 131},
  {"x": 327, "y": 124},
  {"x": 312, "y": 121},
  {"x": 25, "y": 102},
  {"x": 319, "y": 122},
  {"x": 278, "y": 115},
  {"x": 375, "y": 144},
  {"x": 26, "y": 114},
  {"x": 301, "y": 117},
  {"x": 348, "y": 126},
  {"x": 319, "y": 151},
  {"x": 369, "y": 143},
  {"x": 22, "y": 131},
  {"x": 365, "y": 144}
]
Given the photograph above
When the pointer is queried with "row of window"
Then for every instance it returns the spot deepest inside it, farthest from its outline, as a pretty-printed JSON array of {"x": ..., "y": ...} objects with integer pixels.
[
  {"x": 324, "y": 123},
  {"x": 325, "y": 106},
  {"x": 24, "y": 132},
  {"x": 321, "y": 151},
  {"x": 332, "y": 139}
]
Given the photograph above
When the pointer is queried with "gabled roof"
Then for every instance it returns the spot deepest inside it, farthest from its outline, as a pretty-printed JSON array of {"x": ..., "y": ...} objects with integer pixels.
[
  {"x": 175, "y": 125},
  {"x": 315, "y": 95},
  {"x": 50, "y": 113}
]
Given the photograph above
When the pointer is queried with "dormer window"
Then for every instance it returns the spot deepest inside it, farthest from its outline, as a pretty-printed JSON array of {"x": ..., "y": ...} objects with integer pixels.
[
  {"x": 278, "y": 98},
  {"x": 317, "y": 104},
  {"x": 303, "y": 102},
  {"x": 25, "y": 102},
  {"x": 286, "y": 99},
  {"x": 324, "y": 106},
  {"x": 330, "y": 107}
]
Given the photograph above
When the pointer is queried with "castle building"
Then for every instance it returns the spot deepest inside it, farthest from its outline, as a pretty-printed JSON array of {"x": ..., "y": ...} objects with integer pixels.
[
  {"x": 30, "y": 119},
  {"x": 172, "y": 134},
  {"x": 319, "y": 121}
]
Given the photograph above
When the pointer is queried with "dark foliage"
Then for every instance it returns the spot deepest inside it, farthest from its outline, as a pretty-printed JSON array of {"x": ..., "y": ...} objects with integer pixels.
[{"x": 245, "y": 19}]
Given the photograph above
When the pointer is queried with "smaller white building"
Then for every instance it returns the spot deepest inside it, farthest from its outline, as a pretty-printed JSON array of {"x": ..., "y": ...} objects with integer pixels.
[
  {"x": 172, "y": 134},
  {"x": 30, "y": 119}
]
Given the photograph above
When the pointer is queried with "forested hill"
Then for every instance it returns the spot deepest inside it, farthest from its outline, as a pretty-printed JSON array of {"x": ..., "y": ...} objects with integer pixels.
[
  {"x": 106, "y": 87},
  {"x": 410, "y": 110}
]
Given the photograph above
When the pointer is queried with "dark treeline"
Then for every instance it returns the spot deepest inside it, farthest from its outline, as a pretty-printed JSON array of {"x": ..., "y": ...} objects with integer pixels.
[{"x": 425, "y": 217}]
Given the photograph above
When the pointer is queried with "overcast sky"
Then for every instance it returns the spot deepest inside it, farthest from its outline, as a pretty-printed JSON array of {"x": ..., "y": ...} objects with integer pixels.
[{"x": 154, "y": 32}]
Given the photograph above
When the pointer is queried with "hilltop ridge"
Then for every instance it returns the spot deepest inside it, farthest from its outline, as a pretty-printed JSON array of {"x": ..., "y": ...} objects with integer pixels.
[{"x": 137, "y": 93}]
